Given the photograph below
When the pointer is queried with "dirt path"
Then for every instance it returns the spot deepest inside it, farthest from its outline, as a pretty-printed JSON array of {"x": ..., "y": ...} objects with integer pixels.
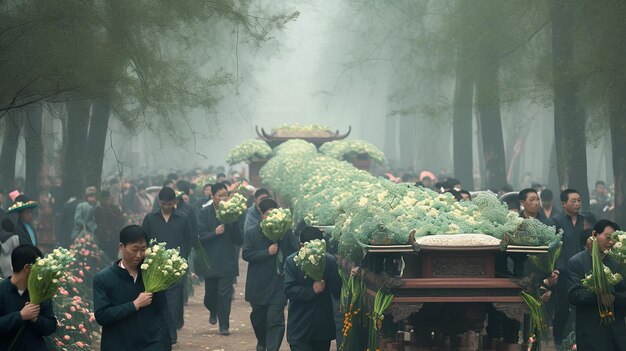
[{"x": 198, "y": 334}]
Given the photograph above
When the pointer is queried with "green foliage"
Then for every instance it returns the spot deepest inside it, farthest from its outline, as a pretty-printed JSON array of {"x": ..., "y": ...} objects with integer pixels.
[{"x": 147, "y": 59}]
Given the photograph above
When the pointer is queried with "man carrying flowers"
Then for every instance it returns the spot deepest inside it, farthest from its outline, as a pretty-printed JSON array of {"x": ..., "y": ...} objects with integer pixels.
[
  {"x": 219, "y": 241},
  {"x": 172, "y": 226},
  {"x": 265, "y": 282},
  {"x": 310, "y": 321},
  {"x": 592, "y": 332},
  {"x": 23, "y": 324},
  {"x": 131, "y": 318}
]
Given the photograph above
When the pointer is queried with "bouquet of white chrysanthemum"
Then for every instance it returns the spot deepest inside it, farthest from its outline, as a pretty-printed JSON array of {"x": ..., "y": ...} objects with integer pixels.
[
  {"x": 618, "y": 252},
  {"x": 276, "y": 224},
  {"x": 46, "y": 273},
  {"x": 249, "y": 150},
  {"x": 599, "y": 282},
  {"x": 162, "y": 267},
  {"x": 311, "y": 259},
  {"x": 45, "y": 278},
  {"x": 230, "y": 211}
]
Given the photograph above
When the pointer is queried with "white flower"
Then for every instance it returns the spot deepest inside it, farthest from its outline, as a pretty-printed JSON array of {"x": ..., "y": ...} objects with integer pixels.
[
  {"x": 144, "y": 266},
  {"x": 618, "y": 245},
  {"x": 156, "y": 248}
]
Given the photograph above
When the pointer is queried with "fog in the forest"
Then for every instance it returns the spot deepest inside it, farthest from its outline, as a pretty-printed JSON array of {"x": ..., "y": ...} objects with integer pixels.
[{"x": 385, "y": 69}]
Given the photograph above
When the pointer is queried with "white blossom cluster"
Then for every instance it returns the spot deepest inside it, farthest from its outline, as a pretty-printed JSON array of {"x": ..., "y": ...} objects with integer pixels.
[
  {"x": 249, "y": 150},
  {"x": 45, "y": 275},
  {"x": 162, "y": 268}
]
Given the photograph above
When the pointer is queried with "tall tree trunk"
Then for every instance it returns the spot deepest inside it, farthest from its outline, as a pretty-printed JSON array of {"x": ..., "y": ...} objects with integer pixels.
[
  {"x": 618, "y": 131},
  {"x": 462, "y": 132},
  {"x": 8, "y": 155},
  {"x": 75, "y": 161},
  {"x": 569, "y": 117},
  {"x": 34, "y": 149},
  {"x": 95, "y": 143},
  {"x": 488, "y": 105}
]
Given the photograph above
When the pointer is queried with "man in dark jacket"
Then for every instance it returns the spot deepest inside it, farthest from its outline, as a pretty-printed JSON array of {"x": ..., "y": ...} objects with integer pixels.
[
  {"x": 310, "y": 321},
  {"x": 16, "y": 311},
  {"x": 131, "y": 319},
  {"x": 592, "y": 333},
  {"x": 173, "y": 227},
  {"x": 572, "y": 223},
  {"x": 265, "y": 281},
  {"x": 219, "y": 242},
  {"x": 108, "y": 223}
]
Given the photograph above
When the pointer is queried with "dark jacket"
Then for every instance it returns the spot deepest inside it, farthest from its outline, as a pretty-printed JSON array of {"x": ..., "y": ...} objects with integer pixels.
[
  {"x": 191, "y": 214},
  {"x": 220, "y": 249},
  {"x": 573, "y": 238},
  {"x": 310, "y": 316},
  {"x": 176, "y": 232},
  {"x": 265, "y": 279},
  {"x": 108, "y": 225},
  {"x": 253, "y": 217},
  {"x": 123, "y": 327},
  {"x": 591, "y": 334},
  {"x": 10, "y": 320},
  {"x": 21, "y": 231}
]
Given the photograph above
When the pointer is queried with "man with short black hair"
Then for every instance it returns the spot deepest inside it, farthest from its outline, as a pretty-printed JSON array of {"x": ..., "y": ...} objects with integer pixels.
[
  {"x": 173, "y": 227},
  {"x": 311, "y": 322},
  {"x": 572, "y": 223},
  {"x": 253, "y": 214},
  {"x": 219, "y": 242},
  {"x": 131, "y": 318},
  {"x": 15, "y": 309},
  {"x": 591, "y": 332},
  {"x": 529, "y": 200},
  {"x": 547, "y": 206},
  {"x": 265, "y": 281}
]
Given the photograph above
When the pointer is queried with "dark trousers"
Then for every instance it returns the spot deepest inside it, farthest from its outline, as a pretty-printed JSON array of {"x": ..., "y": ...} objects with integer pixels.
[
  {"x": 218, "y": 296},
  {"x": 175, "y": 306},
  {"x": 268, "y": 322},
  {"x": 561, "y": 309},
  {"x": 316, "y": 345}
]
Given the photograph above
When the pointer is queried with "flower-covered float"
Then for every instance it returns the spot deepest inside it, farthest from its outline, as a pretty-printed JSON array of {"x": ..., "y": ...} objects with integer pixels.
[{"x": 434, "y": 255}]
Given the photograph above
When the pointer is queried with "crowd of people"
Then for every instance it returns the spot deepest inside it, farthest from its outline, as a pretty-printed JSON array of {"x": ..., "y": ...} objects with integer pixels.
[{"x": 125, "y": 216}]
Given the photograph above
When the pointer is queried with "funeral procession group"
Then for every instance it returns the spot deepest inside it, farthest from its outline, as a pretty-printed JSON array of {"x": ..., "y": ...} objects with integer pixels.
[{"x": 358, "y": 261}]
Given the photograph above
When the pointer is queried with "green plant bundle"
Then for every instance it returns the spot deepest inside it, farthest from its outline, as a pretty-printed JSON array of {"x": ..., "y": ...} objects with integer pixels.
[
  {"x": 538, "y": 320},
  {"x": 382, "y": 301},
  {"x": 599, "y": 282}
]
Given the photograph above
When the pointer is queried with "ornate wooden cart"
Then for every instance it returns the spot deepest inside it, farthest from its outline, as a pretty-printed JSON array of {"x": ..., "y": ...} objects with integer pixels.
[{"x": 442, "y": 293}]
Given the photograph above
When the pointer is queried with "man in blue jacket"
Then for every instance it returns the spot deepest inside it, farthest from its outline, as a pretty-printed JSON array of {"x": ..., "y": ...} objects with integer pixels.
[
  {"x": 131, "y": 319},
  {"x": 16, "y": 311}
]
